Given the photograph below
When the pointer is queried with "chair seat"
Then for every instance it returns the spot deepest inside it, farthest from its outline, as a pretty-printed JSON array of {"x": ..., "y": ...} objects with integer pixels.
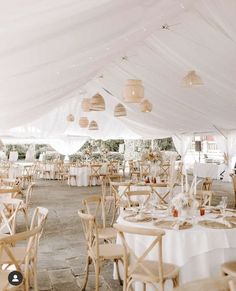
[
  {"x": 170, "y": 271},
  {"x": 111, "y": 251},
  {"x": 107, "y": 233},
  {"x": 18, "y": 253},
  {"x": 209, "y": 284},
  {"x": 3, "y": 279},
  {"x": 229, "y": 268}
]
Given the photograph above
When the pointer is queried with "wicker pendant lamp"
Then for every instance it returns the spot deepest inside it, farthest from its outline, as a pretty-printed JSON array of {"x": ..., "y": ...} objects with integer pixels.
[
  {"x": 70, "y": 118},
  {"x": 146, "y": 106},
  {"x": 93, "y": 125},
  {"x": 83, "y": 122},
  {"x": 120, "y": 110},
  {"x": 192, "y": 79},
  {"x": 97, "y": 103},
  {"x": 85, "y": 105},
  {"x": 133, "y": 91}
]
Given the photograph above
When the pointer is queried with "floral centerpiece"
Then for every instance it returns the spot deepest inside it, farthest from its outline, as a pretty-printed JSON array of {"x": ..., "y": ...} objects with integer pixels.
[
  {"x": 184, "y": 203},
  {"x": 153, "y": 156},
  {"x": 87, "y": 153}
]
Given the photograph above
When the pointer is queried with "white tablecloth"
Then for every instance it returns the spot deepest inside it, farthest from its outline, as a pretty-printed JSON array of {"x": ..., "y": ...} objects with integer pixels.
[
  {"x": 208, "y": 170},
  {"x": 47, "y": 171},
  {"x": 198, "y": 251},
  {"x": 82, "y": 176}
]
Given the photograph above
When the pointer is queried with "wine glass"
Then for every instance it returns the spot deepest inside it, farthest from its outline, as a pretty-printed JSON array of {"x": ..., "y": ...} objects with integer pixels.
[{"x": 223, "y": 205}]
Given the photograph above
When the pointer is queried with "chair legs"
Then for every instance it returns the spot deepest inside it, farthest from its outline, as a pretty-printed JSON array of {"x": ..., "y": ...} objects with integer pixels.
[
  {"x": 35, "y": 275},
  {"x": 97, "y": 271},
  {"x": 88, "y": 262},
  {"x": 176, "y": 281},
  {"x": 25, "y": 212},
  {"x": 118, "y": 272}
]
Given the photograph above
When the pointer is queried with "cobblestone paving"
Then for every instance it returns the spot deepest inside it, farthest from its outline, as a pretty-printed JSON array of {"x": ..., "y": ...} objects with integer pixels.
[{"x": 62, "y": 249}]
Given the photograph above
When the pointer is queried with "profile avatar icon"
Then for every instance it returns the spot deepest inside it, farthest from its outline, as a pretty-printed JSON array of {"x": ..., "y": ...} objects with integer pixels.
[{"x": 15, "y": 278}]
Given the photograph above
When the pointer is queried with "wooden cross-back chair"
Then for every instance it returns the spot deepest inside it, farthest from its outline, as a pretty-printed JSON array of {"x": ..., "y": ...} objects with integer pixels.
[
  {"x": 95, "y": 173},
  {"x": 138, "y": 267},
  {"x": 28, "y": 174},
  {"x": 113, "y": 171},
  {"x": 64, "y": 174},
  {"x": 113, "y": 167},
  {"x": 72, "y": 175},
  {"x": 160, "y": 196},
  {"x": 9, "y": 209},
  {"x": 138, "y": 195},
  {"x": 134, "y": 169},
  {"x": 29, "y": 253},
  {"x": 116, "y": 198},
  {"x": 204, "y": 197},
  {"x": 165, "y": 172},
  {"x": 234, "y": 187},
  {"x": 145, "y": 170},
  {"x": 94, "y": 206},
  {"x": 19, "y": 257},
  {"x": 207, "y": 184},
  {"x": 97, "y": 253}
]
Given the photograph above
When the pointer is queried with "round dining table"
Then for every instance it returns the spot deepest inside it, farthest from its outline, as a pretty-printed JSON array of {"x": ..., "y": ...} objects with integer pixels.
[
  {"x": 197, "y": 251},
  {"x": 81, "y": 175}
]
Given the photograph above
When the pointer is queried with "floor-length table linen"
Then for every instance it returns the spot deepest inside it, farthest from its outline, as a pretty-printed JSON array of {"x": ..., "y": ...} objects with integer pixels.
[
  {"x": 80, "y": 175},
  {"x": 210, "y": 170},
  {"x": 198, "y": 251}
]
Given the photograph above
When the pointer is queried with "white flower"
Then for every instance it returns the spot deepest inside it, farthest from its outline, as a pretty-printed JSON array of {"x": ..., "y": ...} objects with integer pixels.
[{"x": 182, "y": 200}]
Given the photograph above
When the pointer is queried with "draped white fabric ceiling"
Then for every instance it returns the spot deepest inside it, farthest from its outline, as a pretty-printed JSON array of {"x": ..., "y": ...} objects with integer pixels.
[{"x": 54, "y": 53}]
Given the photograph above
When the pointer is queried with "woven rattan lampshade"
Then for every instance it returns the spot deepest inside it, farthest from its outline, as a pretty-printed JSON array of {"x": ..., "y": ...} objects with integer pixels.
[
  {"x": 120, "y": 110},
  {"x": 83, "y": 122},
  {"x": 93, "y": 125},
  {"x": 70, "y": 118},
  {"x": 85, "y": 105},
  {"x": 97, "y": 103},
  {"x": 146, "y": 106},
  {"x": 192, "y": 79},
  {"x": 133, "y": 91}
]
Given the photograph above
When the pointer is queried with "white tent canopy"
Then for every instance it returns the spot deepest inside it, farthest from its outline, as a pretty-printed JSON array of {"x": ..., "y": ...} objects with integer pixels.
[{"x": 54, "y": 53}]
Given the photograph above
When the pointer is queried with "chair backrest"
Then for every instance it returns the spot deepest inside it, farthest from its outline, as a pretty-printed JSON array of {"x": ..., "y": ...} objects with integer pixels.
[
  {"x": 145, "y": 196},
  {"x": 207, "y": 184},
  {"x": 8, "y": 212},
  {"x": 113, "y": 167},
  {"x": 90, "y": 233},
  {"x": 165, "y": 171},
  {"x": 145, "y": 169},
  {"x": 39, "y": 218},
  {"x": 114, "y": 189},
  {"x": 23, "y": 264},
  {"x": 96, "y": 170},
  {"x": 94, "y": 206},
  {"x": 234, "y": 182},
  {"x": 28, "y": 194},
  {"x": 138, "y": 260},
  {"x": 205, "y": 197}
]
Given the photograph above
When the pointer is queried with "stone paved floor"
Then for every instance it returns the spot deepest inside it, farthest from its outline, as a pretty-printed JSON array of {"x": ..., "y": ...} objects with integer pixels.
[{"x": 62, "y": 249}]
